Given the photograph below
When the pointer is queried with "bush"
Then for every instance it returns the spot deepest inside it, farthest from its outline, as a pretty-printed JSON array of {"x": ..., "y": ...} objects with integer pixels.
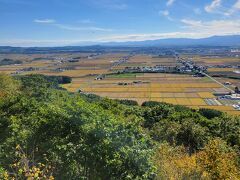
[
  {"x": 152, "y": 103},
  {"x": 128, "y": 102},
  {"x": 210, "y": 113}
]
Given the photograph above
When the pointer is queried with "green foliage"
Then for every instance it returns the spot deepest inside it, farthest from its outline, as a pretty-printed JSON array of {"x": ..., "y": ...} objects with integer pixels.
[
  {"x": 177, "y": 108},
  {"x": 82, "y": 140},
  {"x": 88, "y": 137},
  {"x": 63, "y": 79},
  {"x": 40, "y": 86},
  {"x": 152, "y": 103},
  {"x": 42, "y": 81},
  {"x": 229, "y": 129},
  {"x": 156, "y": 114},
  {"x": 210, "y": 113},
  {"x": 237, "y": 90},
  {"x": 3, "y": 174},
  {"x": 8, "y": 86},
  {"x": 191, "y": 135},
  {"x": 6, "y": 61},
  {"x": 179, "y": 126},
  {"x": 128, "y": 102},
  {"x": 123, "y": 75},
  {"x": 91, "y": 97}
]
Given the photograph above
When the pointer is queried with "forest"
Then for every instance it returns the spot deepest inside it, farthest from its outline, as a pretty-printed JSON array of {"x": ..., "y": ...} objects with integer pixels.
[{"x": 47, "y": 132}]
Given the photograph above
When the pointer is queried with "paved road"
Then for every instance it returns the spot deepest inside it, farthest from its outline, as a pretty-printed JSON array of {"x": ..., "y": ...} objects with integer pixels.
[{"x": 218, "y": 82}]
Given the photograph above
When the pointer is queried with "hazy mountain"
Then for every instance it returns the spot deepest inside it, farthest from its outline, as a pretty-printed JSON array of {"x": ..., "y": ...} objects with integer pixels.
[
  {"x": 214, "y": 41},
  {"x": 233, "y": 40}
]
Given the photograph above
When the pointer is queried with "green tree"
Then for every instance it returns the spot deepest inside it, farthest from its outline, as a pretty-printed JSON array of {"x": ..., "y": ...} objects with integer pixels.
[
  {"x": 156, "y": 114},
  {"x": 210, "y": 113},
  {"x": 8, "y": 86},
  {"x": 81, "y": 139}
]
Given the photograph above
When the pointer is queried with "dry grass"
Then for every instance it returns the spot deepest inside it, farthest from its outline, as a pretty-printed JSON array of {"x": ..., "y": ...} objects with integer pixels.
[
  {"x": 220, "y": 69},
  {"x": 206, "y": 95},
  {"x": 73, "y": 73}
]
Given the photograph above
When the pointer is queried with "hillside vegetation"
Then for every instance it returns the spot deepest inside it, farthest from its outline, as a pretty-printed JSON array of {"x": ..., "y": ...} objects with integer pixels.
[{"x": 49, "y": 133}]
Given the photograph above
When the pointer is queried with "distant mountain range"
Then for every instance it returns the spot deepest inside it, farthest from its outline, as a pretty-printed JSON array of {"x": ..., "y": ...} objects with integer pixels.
[
  {"x": 214, "y": 41},
  {"x": 231, "y": 40}
]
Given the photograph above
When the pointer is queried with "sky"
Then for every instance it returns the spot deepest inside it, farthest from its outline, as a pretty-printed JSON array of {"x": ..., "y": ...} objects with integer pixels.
[{"x": 81, "y": 22}]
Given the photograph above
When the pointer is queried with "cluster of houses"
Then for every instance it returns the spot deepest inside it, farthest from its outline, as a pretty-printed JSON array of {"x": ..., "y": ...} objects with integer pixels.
[
  {"x": 149, "y": 69},
  {"x": 188, "y": 66},
  {"x": 132, "y": 83},
  {"x": 185, "y": 67},
  {"x": 237, "y": 107},
  {"x": 71, "y": 60},
  {"x": 93, "y": 56},
  {"x": 235, "y": 52},
  {"x": 224, "y": 66},
  {"x": 237, "y": 98},
  {"x": 28, "y": 69},
  {"x": 123, "y": 60},
  {"x": 234, "y": 97},
  {"x": 61, "y": 69},
  {"x": 75, "y": 59},
  {"x": 100, "y": 77}
]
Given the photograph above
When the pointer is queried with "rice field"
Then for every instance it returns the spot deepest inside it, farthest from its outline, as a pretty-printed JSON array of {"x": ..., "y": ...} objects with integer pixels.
[
  {"x": 171, "y": 88},
  {"x": 220, "y": 69},
  {"x": 78, "y": 73},
  {"x": 189, "y": 94}
]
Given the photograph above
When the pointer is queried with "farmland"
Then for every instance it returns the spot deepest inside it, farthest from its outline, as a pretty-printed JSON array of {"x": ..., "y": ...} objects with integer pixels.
[{"x": 83, "y": 68}]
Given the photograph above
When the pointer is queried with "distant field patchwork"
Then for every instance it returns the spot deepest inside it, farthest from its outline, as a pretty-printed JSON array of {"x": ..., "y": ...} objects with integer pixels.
[{"x": 179, "y": 89}]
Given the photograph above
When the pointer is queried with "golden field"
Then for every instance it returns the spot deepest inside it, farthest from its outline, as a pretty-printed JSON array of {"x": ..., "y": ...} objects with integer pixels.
[{"x": 178, "y": 89}]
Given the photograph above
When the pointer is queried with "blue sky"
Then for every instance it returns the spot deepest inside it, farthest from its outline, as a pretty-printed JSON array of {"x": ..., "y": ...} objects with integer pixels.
[{"x": 70, "y": 22}]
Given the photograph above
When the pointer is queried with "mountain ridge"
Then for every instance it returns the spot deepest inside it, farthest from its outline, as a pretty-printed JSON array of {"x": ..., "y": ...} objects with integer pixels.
[
  {"x": 213, "y": 41},
  {"x": 228, "y": 40}
]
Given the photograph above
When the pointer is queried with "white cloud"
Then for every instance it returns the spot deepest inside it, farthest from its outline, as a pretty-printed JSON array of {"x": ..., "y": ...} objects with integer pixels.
[
  {"x": 70, "y": 27},
  {"x": 233, "y": 9},
  {"x": 237, "y": 5},
  {"x": 142, "y": 37},
  {"x": 170, "y": 2},
  {"x": 191, "y": 29},
  {"x": 45, "y": 21},
  {"x": 194, "y": 29},
  {"x": 217, "y": 8},
  {"x": 215, "y": 27},
  {"x": 213, "y": 6},
  {"x": 192, "y": 23},
  {"x": 76, "y": 28},
  {"x": 39, "y": 43},
  {"x": 164, "y": 13}
]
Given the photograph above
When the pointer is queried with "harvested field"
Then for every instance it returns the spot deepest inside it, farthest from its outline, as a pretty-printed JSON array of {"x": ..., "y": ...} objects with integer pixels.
[
  {"x": 220, "y": 69},
  {"x": 181, "y": 89}
]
